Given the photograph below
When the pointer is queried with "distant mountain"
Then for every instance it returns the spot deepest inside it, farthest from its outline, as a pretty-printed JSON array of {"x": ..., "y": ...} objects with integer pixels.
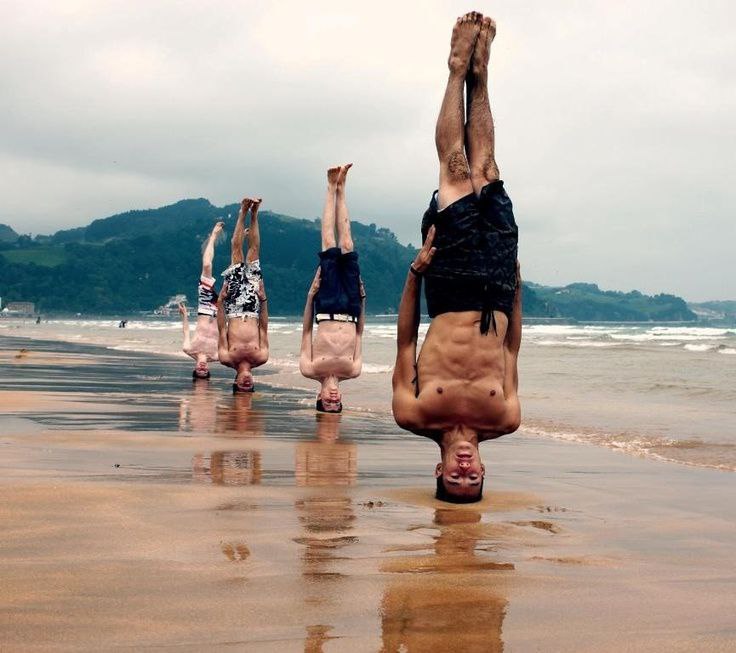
[
  {"x": 717, "y": 311},
  {"x": 135, "y": 261},
  {"x": 587, "y": 302},
  {"x": 7, "y": 234}
]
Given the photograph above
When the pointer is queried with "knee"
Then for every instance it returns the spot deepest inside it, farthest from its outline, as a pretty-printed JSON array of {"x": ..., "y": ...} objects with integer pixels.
[
  {"x": 457, "y": 167},
  {"x": 346, "y": 245},
  {"x": 485, "y": 173}
]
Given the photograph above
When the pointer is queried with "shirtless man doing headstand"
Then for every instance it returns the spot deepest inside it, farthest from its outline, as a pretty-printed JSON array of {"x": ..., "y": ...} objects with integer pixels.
[
  {"x": 462, "y": 389},
  {"x": 242, "y": 315},
  {"x": 336, "y": 300},
  {"x": 203, "y": 347}
]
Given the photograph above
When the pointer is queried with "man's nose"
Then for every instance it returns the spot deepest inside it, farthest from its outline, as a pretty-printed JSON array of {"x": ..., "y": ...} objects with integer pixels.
[{"x": 464, "y": 465}]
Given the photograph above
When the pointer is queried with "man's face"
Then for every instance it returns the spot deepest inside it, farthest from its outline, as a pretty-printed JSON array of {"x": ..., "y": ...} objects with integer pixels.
[
  {"x": 201, "y": 369},
  {"x": 461, "y": 470},
  {"x": 244, "y": 381},
  {"x": 331, "y": 399}
]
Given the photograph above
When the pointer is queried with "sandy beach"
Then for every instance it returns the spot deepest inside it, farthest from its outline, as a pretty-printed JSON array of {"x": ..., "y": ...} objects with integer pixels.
[{"x": 142, "y": 511}]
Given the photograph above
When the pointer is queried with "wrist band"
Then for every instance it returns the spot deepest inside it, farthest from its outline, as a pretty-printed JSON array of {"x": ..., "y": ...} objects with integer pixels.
[{"x": 414, "y": 271}]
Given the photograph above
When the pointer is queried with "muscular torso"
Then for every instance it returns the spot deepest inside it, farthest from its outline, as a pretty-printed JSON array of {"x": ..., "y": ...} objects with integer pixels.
[
  {"x": 244, "y": 341},
  {"x": 460, "y": 376},
  {"x": 333, "y": 349}
]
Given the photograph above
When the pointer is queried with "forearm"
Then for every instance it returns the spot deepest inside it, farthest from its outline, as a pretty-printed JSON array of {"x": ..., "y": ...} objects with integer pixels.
[
  {"x": 186, "y": 343},
  {"x": 307, "y": 324},
  {"x": 409, "y": 316},
  {"x": 513, "y": 334},
  {"x": 361, "y": 320},
  {"x": 263, "y": 325},
  {"x": 221, "y": 326}
]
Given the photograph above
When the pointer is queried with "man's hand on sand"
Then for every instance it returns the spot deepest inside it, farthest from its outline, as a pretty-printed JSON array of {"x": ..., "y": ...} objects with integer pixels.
[
  {"x": 315, "y": 283},
  {"x": 426, "y": 254}
]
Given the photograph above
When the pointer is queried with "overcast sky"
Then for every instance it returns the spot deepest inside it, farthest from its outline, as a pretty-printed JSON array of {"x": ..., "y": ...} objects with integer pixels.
[{"x": 615, "y": 121}]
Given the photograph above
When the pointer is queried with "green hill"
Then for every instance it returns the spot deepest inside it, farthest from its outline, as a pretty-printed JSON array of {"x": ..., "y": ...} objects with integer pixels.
[
  {"x": 135, "y": 261},
  {"x": 7, "y": 234}
]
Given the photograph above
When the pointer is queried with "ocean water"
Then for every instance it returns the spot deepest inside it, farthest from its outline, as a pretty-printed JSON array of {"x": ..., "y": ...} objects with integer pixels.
[{"x": 658, "y": 391}]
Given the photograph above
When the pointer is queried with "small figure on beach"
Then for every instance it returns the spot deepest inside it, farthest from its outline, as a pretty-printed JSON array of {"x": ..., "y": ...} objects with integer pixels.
[
  {"x": 242, "y": 315},
  {"x": 462, "y": 389},
  {"x": 122, "y": 324},
  {"x": 203, "y": 347},
  {"x": 336, "y": 301}
]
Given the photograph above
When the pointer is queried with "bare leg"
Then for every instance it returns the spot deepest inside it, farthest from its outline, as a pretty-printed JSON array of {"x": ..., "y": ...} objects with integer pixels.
[
  {"x": 345, "y": 239},
  {"x": 479, "y": 135},
  {"x": 236, "y": 244},
  {"x": 208, "y": 254},
  {"x": 450, "y": 130},
  {"x": 328, "y": 214},
  {"x": 254, "y": 233}
]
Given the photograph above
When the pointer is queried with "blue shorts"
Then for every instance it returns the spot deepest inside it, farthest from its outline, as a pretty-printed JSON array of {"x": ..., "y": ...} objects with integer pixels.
[{"x": 339, "y": 286}]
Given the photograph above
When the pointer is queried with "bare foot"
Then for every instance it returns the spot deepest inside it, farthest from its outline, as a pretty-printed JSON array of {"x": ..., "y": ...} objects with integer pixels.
[
  {"x": 464, "y": 35},
  {"x": 218, "y": 228},
  {"x": 483, "y": 46},
  {"x": 256, "y": 205},
  {"x": 343, "y": 174},
  {"x": 332, "y": 175},
  {"x": 245, "y": 205}
]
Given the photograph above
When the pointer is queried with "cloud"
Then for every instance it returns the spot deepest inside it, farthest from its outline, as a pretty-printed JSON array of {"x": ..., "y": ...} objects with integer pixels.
[{"x": 612, "y": 121}]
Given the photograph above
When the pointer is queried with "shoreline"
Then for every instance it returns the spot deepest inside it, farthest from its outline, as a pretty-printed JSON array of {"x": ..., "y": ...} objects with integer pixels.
[{"x": 616, "y": 428}]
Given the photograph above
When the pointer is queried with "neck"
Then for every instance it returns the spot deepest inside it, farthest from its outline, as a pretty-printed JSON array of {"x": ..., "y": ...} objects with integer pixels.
[
  {"x": 459, "y": 433},
  {"x": 329, "y": 382}
]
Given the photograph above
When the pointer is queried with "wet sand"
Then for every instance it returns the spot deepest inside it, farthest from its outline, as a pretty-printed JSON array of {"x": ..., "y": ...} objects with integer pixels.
[{"x": 141, "y": 510}]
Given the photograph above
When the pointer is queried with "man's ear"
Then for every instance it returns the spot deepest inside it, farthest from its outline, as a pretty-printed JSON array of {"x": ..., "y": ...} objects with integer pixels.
[
  {"x": 482, "y": 469},
  {"x": 438, "y": 470}
]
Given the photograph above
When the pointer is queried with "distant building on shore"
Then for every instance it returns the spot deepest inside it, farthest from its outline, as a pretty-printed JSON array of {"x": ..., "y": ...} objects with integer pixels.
[
  {"x": 22, "y": 309},
  {"x": 171, "y": 307}
]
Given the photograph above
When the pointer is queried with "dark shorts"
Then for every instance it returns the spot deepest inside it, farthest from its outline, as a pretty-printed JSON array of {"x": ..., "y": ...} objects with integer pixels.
[
  {"x": 243, "y": 281},
  {"x": 474, "y": 268},
  {"x": 206, "y": 297},
  {"x": 339, "y": 286}
]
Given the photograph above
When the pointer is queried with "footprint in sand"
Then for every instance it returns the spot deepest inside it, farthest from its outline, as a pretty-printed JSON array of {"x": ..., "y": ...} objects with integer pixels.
[{"x": 236, "y": 552}]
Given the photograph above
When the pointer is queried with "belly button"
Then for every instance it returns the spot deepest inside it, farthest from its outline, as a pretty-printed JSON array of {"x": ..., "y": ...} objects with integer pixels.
[
  {"x": 493, "y": 393},
  {"x": 439, "y": 390}
]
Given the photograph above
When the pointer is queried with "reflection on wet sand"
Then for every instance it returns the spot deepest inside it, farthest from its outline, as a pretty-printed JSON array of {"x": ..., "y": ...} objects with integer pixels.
[
  {"x": 198, "y": 410},
  {"x": 449, "y": 600},
  {"x": 227, "y": 467},
  {"x": 326, "y": 461},
  {"x": 233, "y": 417},
  {"x": 327, "y": 518}
]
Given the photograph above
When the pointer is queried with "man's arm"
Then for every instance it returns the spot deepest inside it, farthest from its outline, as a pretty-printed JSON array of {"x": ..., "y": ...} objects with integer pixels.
[
  {"x": 306, "y": 366},
  {"x": 263, "y": 323},
  {"x": 513, "y": 333},
  {"x": 404, "y": 402},
  {"x": 358, "y": 352},
  {"x": 186, "y": 344},
  {"x": 223, "y": 347},
  {"x": 512, "y": 345}
]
